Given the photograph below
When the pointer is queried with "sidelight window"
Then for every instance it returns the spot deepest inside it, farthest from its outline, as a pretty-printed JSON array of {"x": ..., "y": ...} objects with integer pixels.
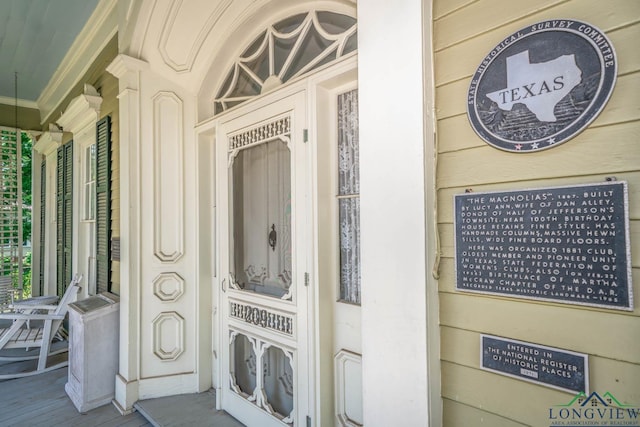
[{"x": 349, "y": 196}]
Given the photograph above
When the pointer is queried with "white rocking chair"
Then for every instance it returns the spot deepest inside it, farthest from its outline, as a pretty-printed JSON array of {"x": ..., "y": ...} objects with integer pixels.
[{"x": 22, "y": 334}]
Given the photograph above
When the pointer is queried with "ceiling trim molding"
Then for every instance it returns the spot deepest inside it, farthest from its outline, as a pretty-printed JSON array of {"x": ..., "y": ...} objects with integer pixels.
[
  {"x": 24, "y": 103},
  {"x": 99, "y": 29}
]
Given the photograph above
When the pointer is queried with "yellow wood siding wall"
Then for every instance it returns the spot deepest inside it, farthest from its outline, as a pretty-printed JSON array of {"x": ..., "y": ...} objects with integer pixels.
[
  {"x": 107, "y": 86},
  {"x": 464, "y": 32}
]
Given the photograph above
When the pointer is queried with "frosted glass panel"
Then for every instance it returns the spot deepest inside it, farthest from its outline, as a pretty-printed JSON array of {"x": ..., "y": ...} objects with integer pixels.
[
  {"x": 261, "y": 216},
  {"x": 348, "y": 144},
  {"x": 349, "y": 197},
  {"x": 350, "y": 250}
]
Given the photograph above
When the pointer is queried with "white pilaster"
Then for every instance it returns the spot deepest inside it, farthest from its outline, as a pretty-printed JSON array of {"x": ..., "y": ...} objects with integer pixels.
[{"x": 127, "y": 69}]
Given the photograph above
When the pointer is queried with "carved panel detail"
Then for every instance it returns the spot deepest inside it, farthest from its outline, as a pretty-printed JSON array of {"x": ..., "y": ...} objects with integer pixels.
[
  {"x": 168, "y": 174},
  {"x": 168, "y": 336},
  {"x": 262, "y": 317},
  {"x": 168, "y": 287},
  {"x": 267, "y": 131},
  {"x": 348, "y": 385}
]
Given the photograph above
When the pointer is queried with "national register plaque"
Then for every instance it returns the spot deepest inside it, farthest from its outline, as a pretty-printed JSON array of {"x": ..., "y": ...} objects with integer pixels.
[{"x": 561, "y": 244}]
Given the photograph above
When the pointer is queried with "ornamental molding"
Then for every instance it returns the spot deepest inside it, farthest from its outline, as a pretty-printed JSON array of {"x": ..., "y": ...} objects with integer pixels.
[
  {"x": 168, "y": 287},
  {"x": 348, "y": 365},
  {"x": 261, "y": 317},
  {"x": 83, "y": 111},
  {"x": 49, "y": 141},
  {"x": 168, "y": 336},
  {"x": 262, "y": 133},
  {"x": 168, "y": 172},
  {"x": 124, "y": 63}
]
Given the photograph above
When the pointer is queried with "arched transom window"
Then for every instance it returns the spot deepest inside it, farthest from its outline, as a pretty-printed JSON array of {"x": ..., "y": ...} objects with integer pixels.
[{"x": 286, "y": 50}]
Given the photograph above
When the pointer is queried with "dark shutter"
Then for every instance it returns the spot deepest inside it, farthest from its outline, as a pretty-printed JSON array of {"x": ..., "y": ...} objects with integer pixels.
[
  {"x": 43, "y": 210},
  {"x": 64, "y": 215},
  {"x": 103, "y": 204}
]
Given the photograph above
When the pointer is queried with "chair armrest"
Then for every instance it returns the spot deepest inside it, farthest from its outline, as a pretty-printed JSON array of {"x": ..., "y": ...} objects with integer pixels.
[
  {"x": 20, "y": 316},
  {"x": 19, "y": 306}
]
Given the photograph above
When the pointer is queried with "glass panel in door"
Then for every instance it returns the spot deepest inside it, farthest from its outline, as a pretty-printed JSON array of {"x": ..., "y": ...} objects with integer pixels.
[{"x": 261, "y": 219}]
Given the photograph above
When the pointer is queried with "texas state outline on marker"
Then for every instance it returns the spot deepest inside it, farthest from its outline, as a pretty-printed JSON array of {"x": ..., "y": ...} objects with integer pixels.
[{"x": 538, "y": 86}]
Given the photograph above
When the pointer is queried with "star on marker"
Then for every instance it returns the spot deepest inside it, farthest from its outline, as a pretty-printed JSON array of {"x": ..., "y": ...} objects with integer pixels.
[
  {"x": 551, "y": 141},
  {"x": 518, "y": 147},
  {"x": 535, "y": 145}
]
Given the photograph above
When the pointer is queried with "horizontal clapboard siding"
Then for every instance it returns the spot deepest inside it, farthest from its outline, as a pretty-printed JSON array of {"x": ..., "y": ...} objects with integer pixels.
[{"x": 464, "y": 32}]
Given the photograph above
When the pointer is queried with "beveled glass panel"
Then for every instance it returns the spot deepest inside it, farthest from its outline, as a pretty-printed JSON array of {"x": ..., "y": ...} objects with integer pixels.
[
  {"x": 278, "y": 381},
  {"x": 243, "y": 365},
  {"x": 261, "y": 216}
]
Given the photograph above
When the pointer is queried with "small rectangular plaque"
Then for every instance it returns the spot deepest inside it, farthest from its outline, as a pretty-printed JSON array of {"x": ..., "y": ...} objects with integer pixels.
[
  {"x": 552, "y": 367},
  {"x": 115, "y": 249},
  {"x": 561, "y": 244}
]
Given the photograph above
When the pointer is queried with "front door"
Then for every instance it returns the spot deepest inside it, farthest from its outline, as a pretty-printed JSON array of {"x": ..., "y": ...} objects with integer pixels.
[{"x": 264, "y": 252}]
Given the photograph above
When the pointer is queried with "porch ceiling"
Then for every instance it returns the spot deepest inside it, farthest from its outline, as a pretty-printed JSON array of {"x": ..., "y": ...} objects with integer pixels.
[{"x": 35, "y": 35}]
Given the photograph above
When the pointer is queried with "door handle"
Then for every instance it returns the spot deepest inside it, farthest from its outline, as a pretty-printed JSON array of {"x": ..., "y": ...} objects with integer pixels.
[
  {"x": 224, "y": 289},
  {"x": 273, "y": 237}
]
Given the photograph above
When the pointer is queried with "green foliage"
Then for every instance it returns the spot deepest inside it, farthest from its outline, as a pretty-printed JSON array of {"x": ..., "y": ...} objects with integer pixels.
[{"x": 27, "y": 149}]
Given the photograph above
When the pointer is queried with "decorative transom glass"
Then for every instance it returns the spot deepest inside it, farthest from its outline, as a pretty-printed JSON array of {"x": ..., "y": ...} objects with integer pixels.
[
  {"x": 286, "y": 50},
  {"x": 349, "y": 196}
]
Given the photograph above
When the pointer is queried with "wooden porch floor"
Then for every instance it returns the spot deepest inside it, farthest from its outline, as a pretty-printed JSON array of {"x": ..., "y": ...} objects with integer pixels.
[{"x": 40, "y": 400}]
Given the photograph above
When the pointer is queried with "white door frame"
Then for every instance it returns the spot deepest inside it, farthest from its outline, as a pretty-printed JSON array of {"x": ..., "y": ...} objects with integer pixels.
[{"x": 342, "y": 73}]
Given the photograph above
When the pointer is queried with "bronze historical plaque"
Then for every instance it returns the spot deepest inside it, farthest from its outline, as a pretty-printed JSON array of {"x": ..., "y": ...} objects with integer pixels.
[
  {"x": 561, "y": 244},
  {"x": 541, "y": 85},
  {"x": 552, "y": 367}
]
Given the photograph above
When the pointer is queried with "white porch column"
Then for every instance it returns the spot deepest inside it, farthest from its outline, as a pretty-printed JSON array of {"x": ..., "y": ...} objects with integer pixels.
[
  {"x": 127, "y": 70},
  {"x": 393, "y": 219},
  {"x": 47, "y": 147}
]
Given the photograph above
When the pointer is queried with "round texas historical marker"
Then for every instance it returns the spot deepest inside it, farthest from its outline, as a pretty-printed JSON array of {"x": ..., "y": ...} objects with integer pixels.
[{"x": 542, "y": 85}]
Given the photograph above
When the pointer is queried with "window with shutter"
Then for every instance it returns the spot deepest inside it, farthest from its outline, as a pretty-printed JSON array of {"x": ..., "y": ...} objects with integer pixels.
[
  {"x": 103, "y": 204},
  {"x": 64, "y": 215}
]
